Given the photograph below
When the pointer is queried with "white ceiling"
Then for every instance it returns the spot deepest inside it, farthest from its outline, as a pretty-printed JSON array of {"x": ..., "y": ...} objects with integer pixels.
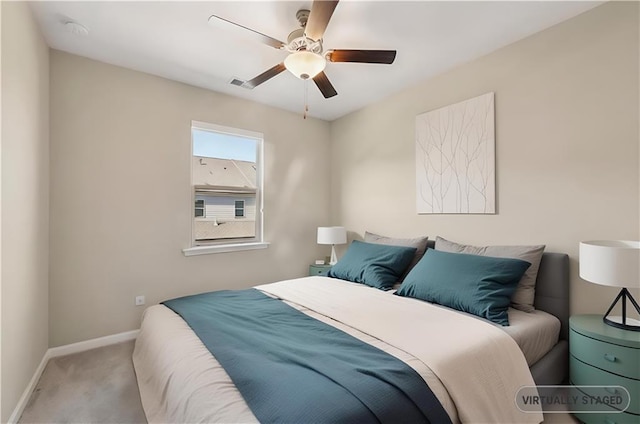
[{"x": 175, "y": 41}]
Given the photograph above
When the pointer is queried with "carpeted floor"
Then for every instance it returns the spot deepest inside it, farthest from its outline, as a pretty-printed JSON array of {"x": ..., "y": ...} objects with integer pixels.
[
  {"x": 96, "y": 386},
  {"x": 99, "y": 386}
]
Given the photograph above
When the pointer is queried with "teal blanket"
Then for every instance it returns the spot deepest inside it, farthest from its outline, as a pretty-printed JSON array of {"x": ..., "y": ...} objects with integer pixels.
[{"x": 292, "y": 368}]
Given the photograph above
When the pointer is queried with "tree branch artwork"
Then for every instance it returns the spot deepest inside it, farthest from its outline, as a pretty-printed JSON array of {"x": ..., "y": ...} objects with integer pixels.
[{"x": 455, "y": 158}]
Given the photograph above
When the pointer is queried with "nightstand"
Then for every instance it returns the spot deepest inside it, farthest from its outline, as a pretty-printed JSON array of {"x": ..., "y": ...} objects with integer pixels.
[
  {"x": 604, "y": 355},
  {"x": 320, "y": 270}
]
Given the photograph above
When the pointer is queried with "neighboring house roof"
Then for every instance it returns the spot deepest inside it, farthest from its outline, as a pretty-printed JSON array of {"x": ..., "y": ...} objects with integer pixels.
[{"x": 216, "y": 172}]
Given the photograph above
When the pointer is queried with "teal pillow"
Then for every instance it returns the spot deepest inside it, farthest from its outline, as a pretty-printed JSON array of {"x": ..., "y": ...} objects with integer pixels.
[
  {"x": 480, "y": 285},
  {"x": 376, "y": 265}
]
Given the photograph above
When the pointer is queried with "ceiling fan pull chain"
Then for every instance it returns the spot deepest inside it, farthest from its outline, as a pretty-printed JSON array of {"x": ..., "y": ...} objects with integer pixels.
[{"x": 306, "y": 98}]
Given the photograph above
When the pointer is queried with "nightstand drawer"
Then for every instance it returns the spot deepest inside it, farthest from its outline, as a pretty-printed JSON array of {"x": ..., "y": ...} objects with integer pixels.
[
  {"x": 320, "y": 270},
  {"x": 610, "y": 357},
  {"x": 607, "y": 418},
  {"x": 586, "y": 375}
]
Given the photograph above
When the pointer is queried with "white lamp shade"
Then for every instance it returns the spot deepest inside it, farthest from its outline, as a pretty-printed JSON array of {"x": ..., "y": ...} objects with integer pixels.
[
  {"x": 305, "y": 64},
  {"x": 611, "y": 262},
  {"x": 332, "y": 235}
]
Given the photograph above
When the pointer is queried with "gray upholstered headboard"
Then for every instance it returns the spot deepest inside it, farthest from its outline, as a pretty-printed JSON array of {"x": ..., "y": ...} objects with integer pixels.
[{"x": 552, "y": 287}]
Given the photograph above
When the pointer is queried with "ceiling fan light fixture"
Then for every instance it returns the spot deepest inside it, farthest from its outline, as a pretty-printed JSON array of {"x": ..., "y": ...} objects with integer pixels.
[{"x": 305, "y": 64}]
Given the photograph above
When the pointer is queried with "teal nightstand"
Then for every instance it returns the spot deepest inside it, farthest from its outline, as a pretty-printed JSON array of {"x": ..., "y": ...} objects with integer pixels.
[
  {"x": 320, "y": 270},
  {"x": 605, "y": 355}
]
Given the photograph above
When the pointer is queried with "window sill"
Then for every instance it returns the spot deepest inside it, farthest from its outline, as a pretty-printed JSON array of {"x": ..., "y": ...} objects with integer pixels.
[{"x": 222, "y": 248}]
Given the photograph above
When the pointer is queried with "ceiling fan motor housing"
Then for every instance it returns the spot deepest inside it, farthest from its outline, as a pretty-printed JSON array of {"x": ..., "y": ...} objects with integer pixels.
[
  {"x": 295, "y": 34},
  {"x": 297, "y": 41}
]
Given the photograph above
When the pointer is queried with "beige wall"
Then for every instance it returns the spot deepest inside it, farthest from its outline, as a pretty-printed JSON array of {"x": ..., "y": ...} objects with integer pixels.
[
  {"x": 567, "y": 158},
  {"x": 1, "y": 213},
  {"x": 120, "y": 195},
  {"x": 25, "y": 201}
]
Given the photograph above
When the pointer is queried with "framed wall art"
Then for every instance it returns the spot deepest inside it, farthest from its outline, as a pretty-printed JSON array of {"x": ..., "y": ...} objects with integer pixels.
[{"x": 455, "y": 158}]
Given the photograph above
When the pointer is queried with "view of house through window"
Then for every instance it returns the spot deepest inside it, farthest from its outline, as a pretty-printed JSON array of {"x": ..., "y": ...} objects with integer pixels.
[{"x": 225, "y": 175}]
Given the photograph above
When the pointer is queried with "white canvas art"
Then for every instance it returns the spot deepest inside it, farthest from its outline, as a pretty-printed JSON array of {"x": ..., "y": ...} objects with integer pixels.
[{"x": 455, "y": 158}]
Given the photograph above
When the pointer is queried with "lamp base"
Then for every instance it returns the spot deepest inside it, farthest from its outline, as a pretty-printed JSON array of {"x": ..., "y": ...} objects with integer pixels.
[
  {"x": 334, "y": 257},
  {"x": 623, "y": 321}
]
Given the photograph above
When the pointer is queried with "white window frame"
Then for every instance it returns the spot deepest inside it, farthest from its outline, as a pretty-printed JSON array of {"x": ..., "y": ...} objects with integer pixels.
[{"x": 233, "y": 245}]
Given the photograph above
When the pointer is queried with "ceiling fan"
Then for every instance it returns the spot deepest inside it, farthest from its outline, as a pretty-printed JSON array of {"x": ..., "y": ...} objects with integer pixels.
[{"x": 307, "y": 59}]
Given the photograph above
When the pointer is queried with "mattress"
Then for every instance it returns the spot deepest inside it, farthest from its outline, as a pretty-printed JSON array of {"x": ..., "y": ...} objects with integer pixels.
[
  {"x": 180, "y": 381},
  {"x": 536, "y": 333}
]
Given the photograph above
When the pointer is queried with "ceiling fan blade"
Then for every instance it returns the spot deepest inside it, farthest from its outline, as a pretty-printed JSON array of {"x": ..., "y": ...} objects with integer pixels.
[
  {"x": 319, "y": 17},
  {"x": 265, "y": 76},
  {"x": 362, "y": 56},
  {"x": 245, "y": 32},
  {"x": 324, "y": 85}
]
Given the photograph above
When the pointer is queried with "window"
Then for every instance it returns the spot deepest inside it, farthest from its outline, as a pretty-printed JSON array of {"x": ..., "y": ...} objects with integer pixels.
[
  {"x": 239, "y": 208},
  {"x": 226, "y": 183},
  {"x": 199, "y": 208}
]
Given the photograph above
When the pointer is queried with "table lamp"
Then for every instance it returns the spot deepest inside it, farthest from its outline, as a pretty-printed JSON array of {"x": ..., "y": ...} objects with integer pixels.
[
  {"x": 332, "y": 236},
  {"x": 613, "y": 263}
]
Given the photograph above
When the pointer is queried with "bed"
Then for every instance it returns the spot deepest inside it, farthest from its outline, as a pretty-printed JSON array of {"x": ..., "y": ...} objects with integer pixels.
[{"x": 474, "y": 373}]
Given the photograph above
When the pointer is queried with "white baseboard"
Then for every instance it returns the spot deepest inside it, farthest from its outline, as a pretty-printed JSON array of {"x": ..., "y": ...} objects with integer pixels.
[
  {"x": 22, "y": 402},
  {"x": 61, "y": 351},
  {"x": 92, "y": 343}
]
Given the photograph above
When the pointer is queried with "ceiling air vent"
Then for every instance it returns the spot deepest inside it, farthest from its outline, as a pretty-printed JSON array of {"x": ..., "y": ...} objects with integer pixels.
[{"x": 237, "y": 82}]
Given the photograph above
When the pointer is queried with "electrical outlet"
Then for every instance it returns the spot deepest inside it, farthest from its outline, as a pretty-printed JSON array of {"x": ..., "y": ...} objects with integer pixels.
[{"x": 139, "y": 300}]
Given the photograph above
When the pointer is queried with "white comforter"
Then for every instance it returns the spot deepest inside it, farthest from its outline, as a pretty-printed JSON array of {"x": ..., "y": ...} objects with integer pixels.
[{"x": 475, "y": 369}]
